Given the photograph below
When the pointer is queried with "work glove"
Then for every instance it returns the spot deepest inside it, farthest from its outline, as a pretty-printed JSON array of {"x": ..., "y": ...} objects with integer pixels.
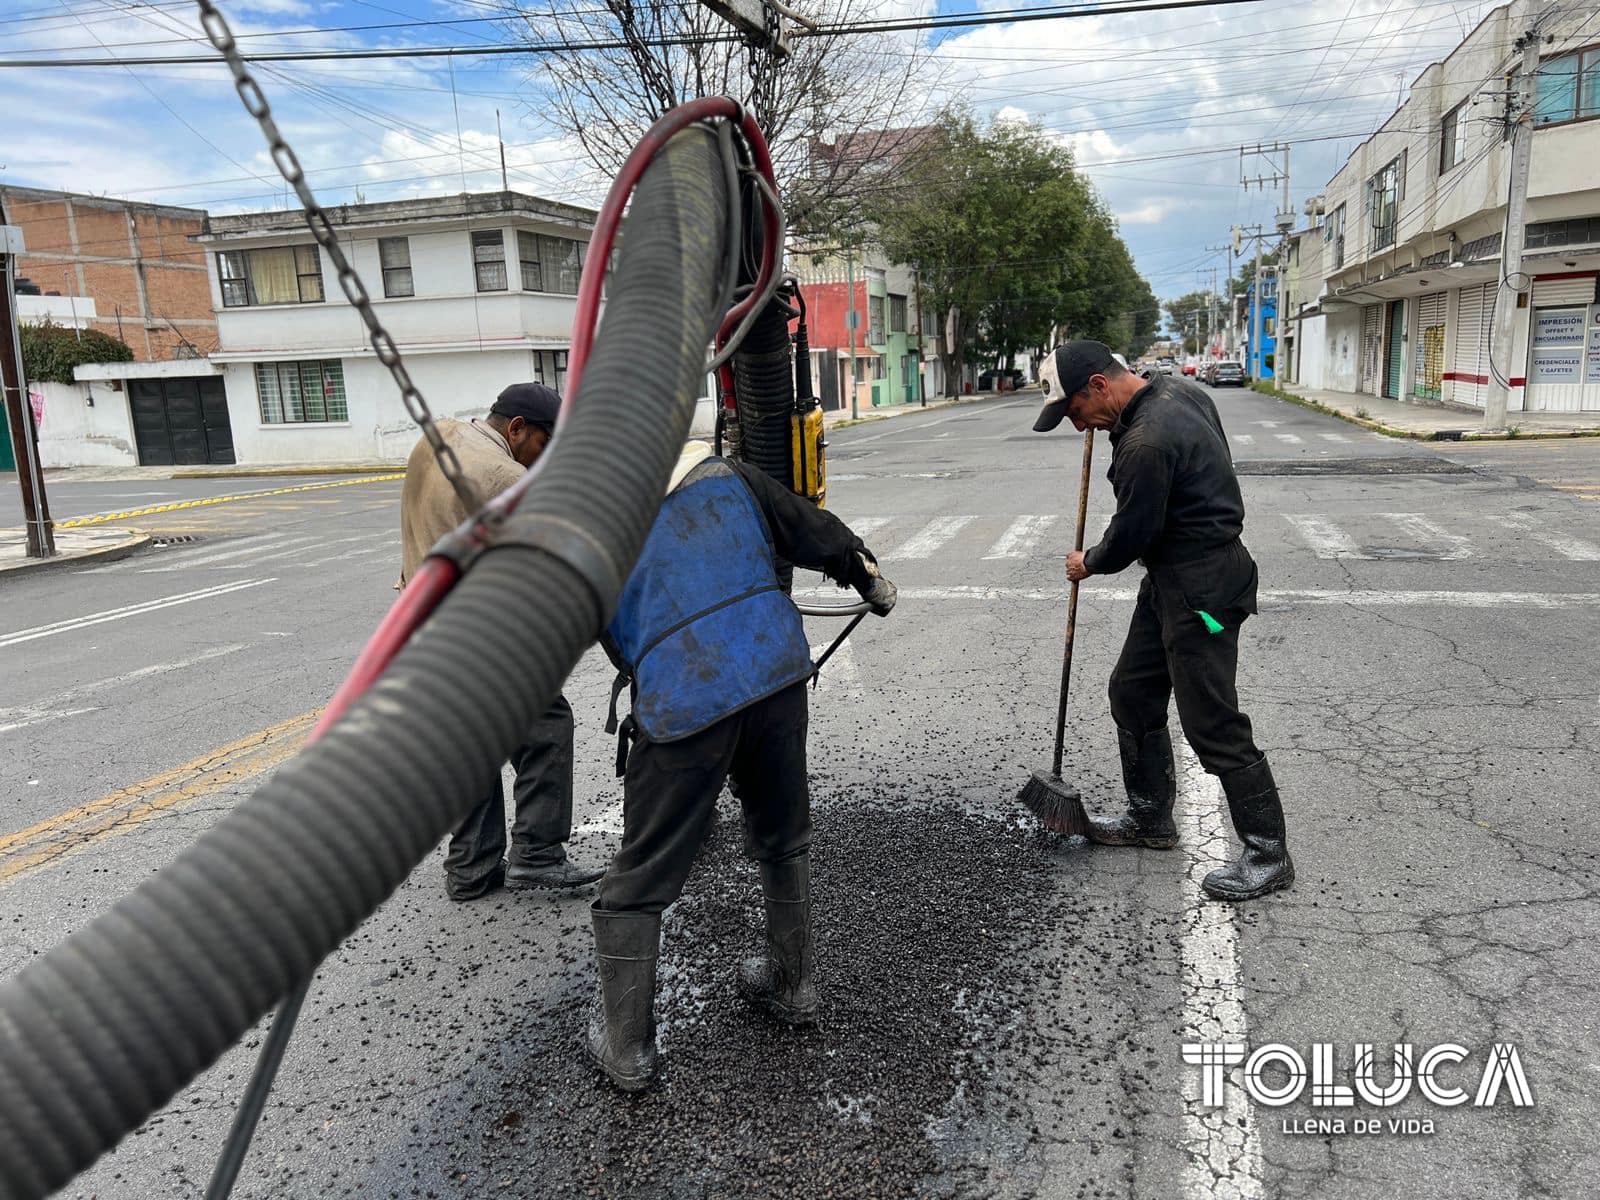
[{"x": 877, "y": 591}]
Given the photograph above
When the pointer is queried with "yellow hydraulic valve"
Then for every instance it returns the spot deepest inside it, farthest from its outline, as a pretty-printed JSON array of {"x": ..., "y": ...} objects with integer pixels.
[{"x": 808, "y": 452}]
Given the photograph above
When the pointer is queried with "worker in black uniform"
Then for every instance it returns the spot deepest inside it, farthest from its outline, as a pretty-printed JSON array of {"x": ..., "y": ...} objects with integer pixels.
[
  {"x": 718, "y": 660},
  {"x": 1179, "y": 510}
]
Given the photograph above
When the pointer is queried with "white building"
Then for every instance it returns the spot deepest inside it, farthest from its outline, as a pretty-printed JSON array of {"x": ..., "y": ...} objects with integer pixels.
[
  {"x": 477, "y": 290},
  {"x": 1412, "y": 224}
]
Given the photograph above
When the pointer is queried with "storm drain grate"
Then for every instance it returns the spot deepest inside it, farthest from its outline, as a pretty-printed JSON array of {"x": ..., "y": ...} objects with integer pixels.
[{"x": 178, "y": 539}]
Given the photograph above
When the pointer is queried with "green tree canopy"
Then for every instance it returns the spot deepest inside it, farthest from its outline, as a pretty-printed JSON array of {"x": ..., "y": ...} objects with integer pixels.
[{"x": 1013, "y": 246}]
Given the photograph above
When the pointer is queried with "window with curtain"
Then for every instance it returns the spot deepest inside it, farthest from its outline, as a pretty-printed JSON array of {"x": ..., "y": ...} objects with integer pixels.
[
  {"x": 1567, "y": 88},
  {"x": 273, "y": 275},
  {"x": 562, "y": 262},
  {"x": 1452, "y": 138},
  {"x": 394, "y": 254},
  {"x": 489, "y": 260},
  {"x": 528, "y": 255},
  {"x": 301, "y": 392}
]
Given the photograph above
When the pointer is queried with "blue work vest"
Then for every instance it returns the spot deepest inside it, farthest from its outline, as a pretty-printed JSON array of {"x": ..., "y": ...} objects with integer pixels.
[{"x": 703, "y": 627}]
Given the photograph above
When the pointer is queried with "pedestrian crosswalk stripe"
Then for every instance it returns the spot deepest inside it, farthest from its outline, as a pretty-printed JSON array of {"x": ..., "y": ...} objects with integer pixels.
[
  {"x": 1288, "y": 437},
  {"x": 1245, "y": 439},
  {"x": 1333, "y": 437},
  {"x": 1020, "y": 537},
  {"x": 1325, "y": 538},
  {"x": 932, "y": 535},
  {"x": 1568, "y": 547},
  {"x": 1424, "y": 530}
]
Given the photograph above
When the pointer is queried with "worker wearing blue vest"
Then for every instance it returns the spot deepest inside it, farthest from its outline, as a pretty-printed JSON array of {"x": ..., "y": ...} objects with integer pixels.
[{"x": 717, "y": 659}]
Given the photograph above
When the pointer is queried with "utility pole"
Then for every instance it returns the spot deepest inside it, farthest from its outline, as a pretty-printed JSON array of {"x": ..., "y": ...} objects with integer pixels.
[
  {"x": 851, "y": 320},
  {"x": 1285, "y": 223},
  {"x": 19, "y": 412},
  {"x": 1497, "y": 397}
]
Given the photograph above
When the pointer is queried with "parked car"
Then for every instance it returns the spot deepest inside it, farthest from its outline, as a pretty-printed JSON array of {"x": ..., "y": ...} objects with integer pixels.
[
  {"x": 1227, "y": 374},
  {"x": 1164, "y": 365},
  {"x": 1008, "y": 381},
  {"x": 1189, "y": 368}
]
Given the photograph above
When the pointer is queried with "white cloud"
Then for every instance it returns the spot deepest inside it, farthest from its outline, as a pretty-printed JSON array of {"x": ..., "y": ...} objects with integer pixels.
[{"x": 1151, "y": 212}]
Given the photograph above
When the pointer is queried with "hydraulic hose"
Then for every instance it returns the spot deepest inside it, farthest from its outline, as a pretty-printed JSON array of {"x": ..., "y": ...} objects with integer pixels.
[
  {"x": 105, "y": 1028},
  {"x": 763, "y": 371}
]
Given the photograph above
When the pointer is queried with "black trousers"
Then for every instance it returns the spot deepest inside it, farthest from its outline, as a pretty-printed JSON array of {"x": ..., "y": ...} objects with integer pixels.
[
  {"x": 670, "y": 793},
  {"x": 1169, "y": 652},
  {"x": 541, "y": 822}
]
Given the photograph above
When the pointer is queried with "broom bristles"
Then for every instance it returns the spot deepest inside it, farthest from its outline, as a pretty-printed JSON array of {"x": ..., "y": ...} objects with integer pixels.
[{"x": 1056, "y": 803}]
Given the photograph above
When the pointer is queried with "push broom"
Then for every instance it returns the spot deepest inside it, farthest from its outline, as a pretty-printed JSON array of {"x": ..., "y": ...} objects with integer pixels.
[{"x": 1056, "y": 803}]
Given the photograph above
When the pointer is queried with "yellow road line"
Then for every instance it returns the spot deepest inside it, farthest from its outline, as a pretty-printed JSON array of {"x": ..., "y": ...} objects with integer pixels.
[
  {"x": 129, "y": 807},
  {"x": 179, "y": 505}
]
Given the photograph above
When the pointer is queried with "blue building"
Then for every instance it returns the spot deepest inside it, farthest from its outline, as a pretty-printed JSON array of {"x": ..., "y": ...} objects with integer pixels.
[{"x": 1259, "y": 361}]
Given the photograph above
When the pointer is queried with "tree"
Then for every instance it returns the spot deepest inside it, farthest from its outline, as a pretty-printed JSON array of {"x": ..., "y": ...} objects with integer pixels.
[
  {"x": 1013, "y": 247},
  {"x": 50, "y": 352},
  {"x": 827, "y": 111},
  {"x": 1188, "y": 315}
]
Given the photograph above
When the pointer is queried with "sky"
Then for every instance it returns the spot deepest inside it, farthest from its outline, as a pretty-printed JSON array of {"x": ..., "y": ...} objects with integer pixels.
[{"x": 1155, "y": 105}]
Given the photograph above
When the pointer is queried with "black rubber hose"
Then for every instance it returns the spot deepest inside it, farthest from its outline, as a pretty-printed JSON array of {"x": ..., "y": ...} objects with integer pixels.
[
  {"x": 763, "y": 378},
  {"x": 105, "y": 1028}
]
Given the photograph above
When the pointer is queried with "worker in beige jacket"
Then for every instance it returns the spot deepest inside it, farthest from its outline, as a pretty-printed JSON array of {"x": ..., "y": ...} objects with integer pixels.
[{"x": 494, "y": 452}]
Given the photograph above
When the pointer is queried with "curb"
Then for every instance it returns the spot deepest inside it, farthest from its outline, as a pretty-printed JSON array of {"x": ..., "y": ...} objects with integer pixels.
[
  {"x": 1435, "y": 435},
  {"x": 263, "y": 472},
  {"x": 123, "y": 549},
  {"x": 900, "y": 410}
]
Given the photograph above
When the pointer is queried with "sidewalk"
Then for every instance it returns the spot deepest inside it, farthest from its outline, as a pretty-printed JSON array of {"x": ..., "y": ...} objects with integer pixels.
[
  {"x": 73, "y": 546},
  {"x": 1433, "y": 422}
]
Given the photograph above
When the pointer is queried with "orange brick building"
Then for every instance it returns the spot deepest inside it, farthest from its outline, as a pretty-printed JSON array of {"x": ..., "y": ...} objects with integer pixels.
[{"x": 135, "y": 261}]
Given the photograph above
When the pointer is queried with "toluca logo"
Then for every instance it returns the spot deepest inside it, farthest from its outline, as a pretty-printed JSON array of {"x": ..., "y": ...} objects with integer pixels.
[{"x": 1276, "y": 1075}]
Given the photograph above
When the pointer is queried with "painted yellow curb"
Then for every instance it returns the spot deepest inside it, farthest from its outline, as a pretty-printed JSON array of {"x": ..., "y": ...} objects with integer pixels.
[
  {"x": 129, "y": 807},
  {"x": 179, "y": 505}
]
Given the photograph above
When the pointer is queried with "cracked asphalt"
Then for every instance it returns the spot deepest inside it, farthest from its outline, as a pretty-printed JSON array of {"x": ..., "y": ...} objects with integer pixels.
[{"x": 1004, "y": 1012}]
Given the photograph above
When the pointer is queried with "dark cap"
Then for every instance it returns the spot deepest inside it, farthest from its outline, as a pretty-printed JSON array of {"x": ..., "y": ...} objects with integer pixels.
[
  {"x": 533, "y": 402},
  {"x": 1064, "y": 373}
]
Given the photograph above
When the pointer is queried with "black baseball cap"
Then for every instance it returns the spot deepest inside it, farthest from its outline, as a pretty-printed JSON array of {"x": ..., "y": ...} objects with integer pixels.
[
  {"x": 1065, "y": 373},
  {"x": 533, "y": 402}
]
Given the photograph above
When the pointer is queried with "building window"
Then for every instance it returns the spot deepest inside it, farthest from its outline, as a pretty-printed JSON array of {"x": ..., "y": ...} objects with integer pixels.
[
  {"x": 875, "y": 320},
  {"x": 1574, "y": 231},
  {"x": 395, "y": 256},
  {"x": 489, "y": 260},
  {"x": 1567, "y": 88},
  {"x": 300, "y": 392},
  {"x": 550, "y": 369},
  {"x": 278, "y": 275},
  {"x": 1453, "y": 138},
  {"x": 550, "y": 264},
  {"x": 1383, "y": 197},
  {"x": 1333, "y": 234},
  {"x": 897, "y": 314}
]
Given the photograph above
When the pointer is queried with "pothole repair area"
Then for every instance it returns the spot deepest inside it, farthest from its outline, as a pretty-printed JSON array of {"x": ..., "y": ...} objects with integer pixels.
[{"x": 922, "y": 917}]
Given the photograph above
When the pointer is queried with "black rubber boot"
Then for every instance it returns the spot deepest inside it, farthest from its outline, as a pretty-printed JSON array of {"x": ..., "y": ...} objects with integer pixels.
[
  {"x": 1147, "y": 775},
  {"x": 622, "y": 1030},
  {"x": 781, "y": 979},
  {"x": 1258, "y": 820}
]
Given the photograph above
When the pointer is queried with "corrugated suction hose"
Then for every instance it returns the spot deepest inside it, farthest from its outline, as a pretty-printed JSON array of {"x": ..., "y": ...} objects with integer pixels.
[{"x": 106, "y": 1027}]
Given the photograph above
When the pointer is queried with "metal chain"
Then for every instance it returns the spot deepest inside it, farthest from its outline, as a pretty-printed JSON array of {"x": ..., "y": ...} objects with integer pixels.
[{"x": 255, "y": 103}]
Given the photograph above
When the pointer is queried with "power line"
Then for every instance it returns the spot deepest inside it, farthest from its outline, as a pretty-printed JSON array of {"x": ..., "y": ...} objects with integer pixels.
[{"x": 1014, "y": 16}]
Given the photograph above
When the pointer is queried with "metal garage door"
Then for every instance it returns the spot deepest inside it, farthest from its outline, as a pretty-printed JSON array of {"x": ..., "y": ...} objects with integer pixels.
[
  {"x": 1394, "y": 361},
  {"x": 1469, "y": 358},
  {"x": 1371, "y": 347},
  {"x": 180, "y": 422},
  {"x": 1427, "y": 381}
]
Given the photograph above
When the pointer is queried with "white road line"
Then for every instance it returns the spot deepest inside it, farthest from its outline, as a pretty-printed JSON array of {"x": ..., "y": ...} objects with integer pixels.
[
  {"x": 206, "y": 558},
  {"x": 1267, "y": 424},
  {"x": 51, "y": 708},
  {"x": 609, "y": 821},
  {"x": 299, "y": 545},
  {"x": 862, "y": 526},
  {"x": 932, "y": 535},
  {"x": 1245, "y": 439},
  {"x": 1325, "y": 538},
  {"x": 1355, "y": 598},
  {"x": 1568, "y": 547},
  {"x": 1333, "y": 437},
  {"x": 1224, "y": 1143},
  {"x": 1021, "y": 537},
  {"x": 1424, "y": 530},
  {"x": 841, "y": 673},
  {"x": 1288, "y": 437},
  {"x": 131, "y": 610}
]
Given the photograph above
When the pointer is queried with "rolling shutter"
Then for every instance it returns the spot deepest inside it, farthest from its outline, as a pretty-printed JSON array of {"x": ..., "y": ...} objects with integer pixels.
[
  {"x": 1371, "y": 347},
  {"x": 1563, "y": 293},
  {"x": 1429, "y": 376}
]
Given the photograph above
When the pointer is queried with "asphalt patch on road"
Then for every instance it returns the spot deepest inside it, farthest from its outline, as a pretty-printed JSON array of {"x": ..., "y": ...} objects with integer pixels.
[
  {"x": 921, "y": 917},
  {"x": 1397, "y": 465}
]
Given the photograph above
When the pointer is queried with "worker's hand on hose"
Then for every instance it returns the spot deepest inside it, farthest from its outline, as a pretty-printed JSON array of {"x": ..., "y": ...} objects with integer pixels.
[
  {"x": 1077, "y": 569},
  {"x": 877, "y": 591}
]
